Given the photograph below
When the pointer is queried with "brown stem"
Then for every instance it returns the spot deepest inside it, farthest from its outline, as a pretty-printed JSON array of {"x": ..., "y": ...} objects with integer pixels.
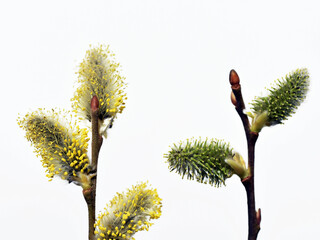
[
  {"x": 96, "y": 142},
  {"x": 89, "y": 196},
  {"x": 248, "y": 183},
  {"x": 254, "y": 217}
]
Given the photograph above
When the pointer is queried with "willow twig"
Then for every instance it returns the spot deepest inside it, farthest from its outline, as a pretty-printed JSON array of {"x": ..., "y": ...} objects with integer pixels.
[
  {"x": 90, "y": 194},
  {"x": 254, "y": 217}
]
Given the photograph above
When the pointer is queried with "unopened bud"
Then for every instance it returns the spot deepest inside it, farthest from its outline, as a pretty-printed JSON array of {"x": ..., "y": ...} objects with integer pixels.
[
  {"x": 233, "y": 99},
  {"x": 234, "y": 79},
  {"x": 258, "y": 216},
  {"x": 87, "y": 193},
  {"x": 94, "y": 103}
]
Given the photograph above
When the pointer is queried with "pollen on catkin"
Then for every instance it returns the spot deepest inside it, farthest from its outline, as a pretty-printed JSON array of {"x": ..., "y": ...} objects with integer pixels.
[
  {"x": 99, "y": 76},
  {"x": 128, "y": 213},
  {"x": 203, "y": 161},
  {"x": 283, "y": 99},
  {"x": 61, "y": 145}
]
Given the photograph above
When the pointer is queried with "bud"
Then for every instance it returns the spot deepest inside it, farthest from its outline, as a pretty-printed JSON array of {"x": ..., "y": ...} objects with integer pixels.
[
  {"x": 258, "y": 216},
  {"x": 94, "y": 104},
  {"x": 234, "y": 79},
  {"x": 233, "y": 99}
]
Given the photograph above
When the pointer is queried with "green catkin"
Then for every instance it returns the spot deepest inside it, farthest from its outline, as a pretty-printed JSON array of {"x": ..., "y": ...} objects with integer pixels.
[
  {"x": 203, "y": 161},
  {"x": 284, "y": 98}
]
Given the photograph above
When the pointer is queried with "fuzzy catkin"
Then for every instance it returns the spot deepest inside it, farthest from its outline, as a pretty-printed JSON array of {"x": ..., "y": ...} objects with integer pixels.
[
  {"x": 128, "y": 213},
  {"x": 62, "y": 147},
  {"x": 284, "y": 98},
  {"x": 203, "y": 161},
  {"x": 99, "y": 76}
]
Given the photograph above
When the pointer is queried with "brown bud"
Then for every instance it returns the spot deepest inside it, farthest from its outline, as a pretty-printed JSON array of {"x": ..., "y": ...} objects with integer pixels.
[
  {"x": 87, "y": 193},
  {"x": 233, "y": 99},
  {"x": 94, "y": 103},
  {"x": 234, "y": 79},
  {"x": 258, "y": 215}
]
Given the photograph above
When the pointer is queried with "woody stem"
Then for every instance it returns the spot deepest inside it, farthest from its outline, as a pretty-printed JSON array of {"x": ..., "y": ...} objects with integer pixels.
[
  {"x": 254, "y": 217},
  {"x": 90, "y": 194}
]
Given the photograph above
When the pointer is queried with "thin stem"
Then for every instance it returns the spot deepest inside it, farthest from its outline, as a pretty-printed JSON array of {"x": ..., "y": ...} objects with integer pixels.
[
  {"x": 248, "y": 183},
  {"x": 90, "y": 194},
  {"x": 254, "y": 217}
]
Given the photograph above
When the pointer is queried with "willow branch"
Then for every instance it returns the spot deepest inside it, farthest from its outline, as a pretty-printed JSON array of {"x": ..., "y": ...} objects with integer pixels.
[
  {"x": 254, "y": 217},
  {"x": 90, "y": 194}
]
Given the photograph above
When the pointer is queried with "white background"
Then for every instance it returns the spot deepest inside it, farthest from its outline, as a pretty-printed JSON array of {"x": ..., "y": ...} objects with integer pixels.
[{"x": 176, "y": 56}]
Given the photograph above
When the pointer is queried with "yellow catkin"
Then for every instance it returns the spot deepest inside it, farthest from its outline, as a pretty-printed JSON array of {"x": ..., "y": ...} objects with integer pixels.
[
  {"x": 138, "y": 204},
  {"x": 99, "y": 76},
  {"x": 60, "y": 145}
]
